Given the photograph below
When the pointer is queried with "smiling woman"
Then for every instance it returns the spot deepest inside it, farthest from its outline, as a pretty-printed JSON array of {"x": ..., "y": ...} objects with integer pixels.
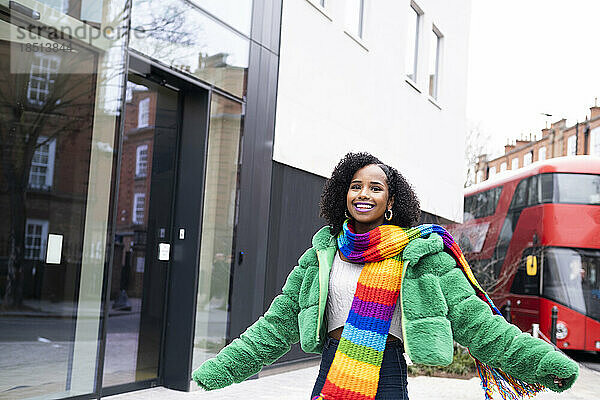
[{"x": 374, "y": 286}]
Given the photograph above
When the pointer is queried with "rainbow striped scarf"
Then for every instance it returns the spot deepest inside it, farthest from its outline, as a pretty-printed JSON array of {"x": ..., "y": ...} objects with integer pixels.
[{"x": 354, "y": 372}]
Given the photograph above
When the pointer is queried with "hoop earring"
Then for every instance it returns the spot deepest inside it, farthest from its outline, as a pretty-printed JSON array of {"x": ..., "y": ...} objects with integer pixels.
[
  {"x": 386, "y": 214},
  {"x": 346, "y": 214}
]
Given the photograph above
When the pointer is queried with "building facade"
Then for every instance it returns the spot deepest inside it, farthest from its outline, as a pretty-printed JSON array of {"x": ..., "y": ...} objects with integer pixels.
[
  {"x": 557, "y": 141},
  {"x": 152, "y": 154}
]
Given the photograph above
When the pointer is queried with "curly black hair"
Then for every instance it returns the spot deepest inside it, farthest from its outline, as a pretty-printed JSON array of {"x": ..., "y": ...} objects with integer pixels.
[{"x": 406, "y": 209}]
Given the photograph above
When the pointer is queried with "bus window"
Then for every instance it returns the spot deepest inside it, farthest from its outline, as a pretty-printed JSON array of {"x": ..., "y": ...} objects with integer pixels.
[
  {"x": 577, "y": 188},
  {"x": 481, "y": 204},
  {"x": 546, "y": 183},
  {"x": 520, "y": 197},
  {"x": 494, "y": 198},
  {"x": 563, "y": 277},
  {"x": 570, "y": 188},
  {"x": 533, "y": 192},
  {"x": 467, "y": 214}
]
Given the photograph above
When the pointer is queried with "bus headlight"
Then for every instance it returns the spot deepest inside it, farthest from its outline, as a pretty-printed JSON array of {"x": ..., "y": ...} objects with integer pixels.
[{"x": 561, "y": 330}]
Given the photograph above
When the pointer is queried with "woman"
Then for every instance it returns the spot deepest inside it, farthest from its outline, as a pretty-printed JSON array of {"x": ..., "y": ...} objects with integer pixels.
[{"x": 370, "y": 288}]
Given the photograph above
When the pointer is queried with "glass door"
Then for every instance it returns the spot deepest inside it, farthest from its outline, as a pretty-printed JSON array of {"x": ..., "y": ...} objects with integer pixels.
[
  {"x": 62, "y": 68},
  {"x": 142, "y": 233}
]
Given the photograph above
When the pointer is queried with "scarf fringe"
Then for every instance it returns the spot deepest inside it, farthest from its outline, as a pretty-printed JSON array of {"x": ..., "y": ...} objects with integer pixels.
[{"x": 509, "y": 387}]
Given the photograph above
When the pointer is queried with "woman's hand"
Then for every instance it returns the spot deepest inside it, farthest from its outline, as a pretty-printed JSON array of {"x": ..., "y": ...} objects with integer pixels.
[{"x": 560, "y": 382}]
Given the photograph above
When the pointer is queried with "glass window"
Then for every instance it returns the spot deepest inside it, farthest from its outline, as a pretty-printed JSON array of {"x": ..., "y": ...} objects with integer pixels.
[
  {"x": 482, "y": 204},
  {"x": 577, "y": 188},
  {"x": 542, "y": 153},
  {"x": 515, "y": 163},
  {"x": 520, "y": 197},
  {"x": 504, "y": 238},
  {"x": 87, "y": 11},
  {"x": 139, "y": 208},
  {"x": 572, "y": 145},
  {"x": 533, "y": 195},
  {"x": 503, "y": 167},
  {"x": 62, "y": 104},
  {"x": 59, "y": 5},
  {"x": 547, "y": 187},
  {"x": 141, "y": 160},
  {"x": 355, "y": 17},
  {"x": 571, "y": 278},
  {"x": 41, "y": 173},
  {"x": 412, "y": 44},
  {"x": 138, "y": 282},
  {"x": 181, "y": 36},
  {"x": 479, "y": 176},
  {"x": 492, "y": 171},
  {"x": 36, "y": 235},
  {"x": 527, "y": 158},
  {"x": 218, "y": 222},
  {"x": 42, "y": 75},
  {"x": 595, "y": 142},
  {"x": 144, "y": 112},
  {"x": 235, "y": 13},
  {"x": 434, "y": 61}
]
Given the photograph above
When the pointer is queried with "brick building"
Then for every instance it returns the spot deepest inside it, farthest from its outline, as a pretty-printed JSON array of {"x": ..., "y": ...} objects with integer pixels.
[{"x": 557, "y": 141}]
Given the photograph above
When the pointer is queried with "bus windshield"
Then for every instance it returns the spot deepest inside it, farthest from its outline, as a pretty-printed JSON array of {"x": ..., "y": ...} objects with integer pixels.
[{"x": 571, "y": 278}]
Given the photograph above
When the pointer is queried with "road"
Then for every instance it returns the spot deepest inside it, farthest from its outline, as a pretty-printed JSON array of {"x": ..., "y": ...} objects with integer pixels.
[{"x": 589, "y": 359}]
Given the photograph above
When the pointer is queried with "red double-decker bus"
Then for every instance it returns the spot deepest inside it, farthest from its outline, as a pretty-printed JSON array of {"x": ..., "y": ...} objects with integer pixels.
[{"x": 532, "y": 236}]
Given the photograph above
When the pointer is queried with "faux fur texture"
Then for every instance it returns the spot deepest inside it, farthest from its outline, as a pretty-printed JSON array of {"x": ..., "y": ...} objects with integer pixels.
[
  {"x": 438, "y": 305},
  {"x": 489, "y": 337}
]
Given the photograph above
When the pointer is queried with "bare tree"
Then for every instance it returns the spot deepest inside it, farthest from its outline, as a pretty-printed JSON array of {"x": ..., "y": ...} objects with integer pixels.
[
  {"x": 26, "y": 124},
  {"x": 476, "y": 145}
]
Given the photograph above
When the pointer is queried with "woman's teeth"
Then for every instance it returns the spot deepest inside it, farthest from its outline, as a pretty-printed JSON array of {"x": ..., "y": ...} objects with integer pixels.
[{"x": 363, "y": 207}]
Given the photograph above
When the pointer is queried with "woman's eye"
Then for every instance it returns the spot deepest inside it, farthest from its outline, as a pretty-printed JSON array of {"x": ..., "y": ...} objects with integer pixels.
[
  {"x": 376, "y": 189},
  {"x": 355, "y": 187}
]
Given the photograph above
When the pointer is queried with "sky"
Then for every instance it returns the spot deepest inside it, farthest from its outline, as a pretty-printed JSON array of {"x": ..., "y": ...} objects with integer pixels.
[{"x": 530, "y": 57}]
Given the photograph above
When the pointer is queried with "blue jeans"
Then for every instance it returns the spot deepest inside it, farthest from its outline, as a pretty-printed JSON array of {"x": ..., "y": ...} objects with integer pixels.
[{"x": 392, "y": 376}]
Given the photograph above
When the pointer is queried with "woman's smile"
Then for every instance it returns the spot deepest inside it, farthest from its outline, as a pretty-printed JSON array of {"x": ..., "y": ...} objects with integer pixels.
[{"x": 363, "y": 207}]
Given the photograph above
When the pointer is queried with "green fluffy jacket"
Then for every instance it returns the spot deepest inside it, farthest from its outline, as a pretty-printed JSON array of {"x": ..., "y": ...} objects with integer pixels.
[{"x": 438, "y": 306}]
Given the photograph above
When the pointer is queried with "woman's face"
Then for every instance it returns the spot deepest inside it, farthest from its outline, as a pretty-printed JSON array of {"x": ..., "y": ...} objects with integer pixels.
[{"x": 367, "y": 198}]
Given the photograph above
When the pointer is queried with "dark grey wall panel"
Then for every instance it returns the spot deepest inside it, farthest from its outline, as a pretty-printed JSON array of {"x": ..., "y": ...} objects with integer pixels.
[
  {"x": 427, "y": 218},
  {"x": 266, "y": 23},
  {"x": 294, "y": 220}
]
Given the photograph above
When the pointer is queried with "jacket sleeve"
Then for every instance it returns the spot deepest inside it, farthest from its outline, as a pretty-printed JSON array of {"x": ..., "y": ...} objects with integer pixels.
[
  {"x": 261, "y": 344},
  {"x": 489, "y": 337}
]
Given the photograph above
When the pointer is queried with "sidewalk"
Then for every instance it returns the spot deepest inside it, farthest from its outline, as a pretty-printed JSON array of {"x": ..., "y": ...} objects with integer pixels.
[{"x": 296, "y": 385}]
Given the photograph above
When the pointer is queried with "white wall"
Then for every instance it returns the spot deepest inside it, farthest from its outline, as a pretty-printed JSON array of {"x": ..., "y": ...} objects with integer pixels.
[{"x": 336, "y": 96}]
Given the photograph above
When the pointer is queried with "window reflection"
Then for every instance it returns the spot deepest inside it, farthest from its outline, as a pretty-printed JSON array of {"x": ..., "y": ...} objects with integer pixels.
[
  {"x": 134, "y": 322},
  {"x": 184, "y": 38},
  {"x": 237, "y": 13},
  {"x": 571, "y": 278},
  {"x": 56, "y": 163},
  {"x": 88, "y": 11},
  {"x": 217, "y": 228}
]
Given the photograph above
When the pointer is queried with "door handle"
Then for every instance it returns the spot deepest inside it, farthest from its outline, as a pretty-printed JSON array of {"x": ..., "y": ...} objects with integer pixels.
[{"x": 518, "y": 302}]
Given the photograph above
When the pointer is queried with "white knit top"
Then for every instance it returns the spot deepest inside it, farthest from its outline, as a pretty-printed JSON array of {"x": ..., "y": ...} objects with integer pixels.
[{"x": 342, "y": 286}]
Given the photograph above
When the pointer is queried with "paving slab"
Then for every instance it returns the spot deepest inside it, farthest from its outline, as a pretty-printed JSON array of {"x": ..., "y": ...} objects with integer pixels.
[{"x": 297, "y": 385}]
